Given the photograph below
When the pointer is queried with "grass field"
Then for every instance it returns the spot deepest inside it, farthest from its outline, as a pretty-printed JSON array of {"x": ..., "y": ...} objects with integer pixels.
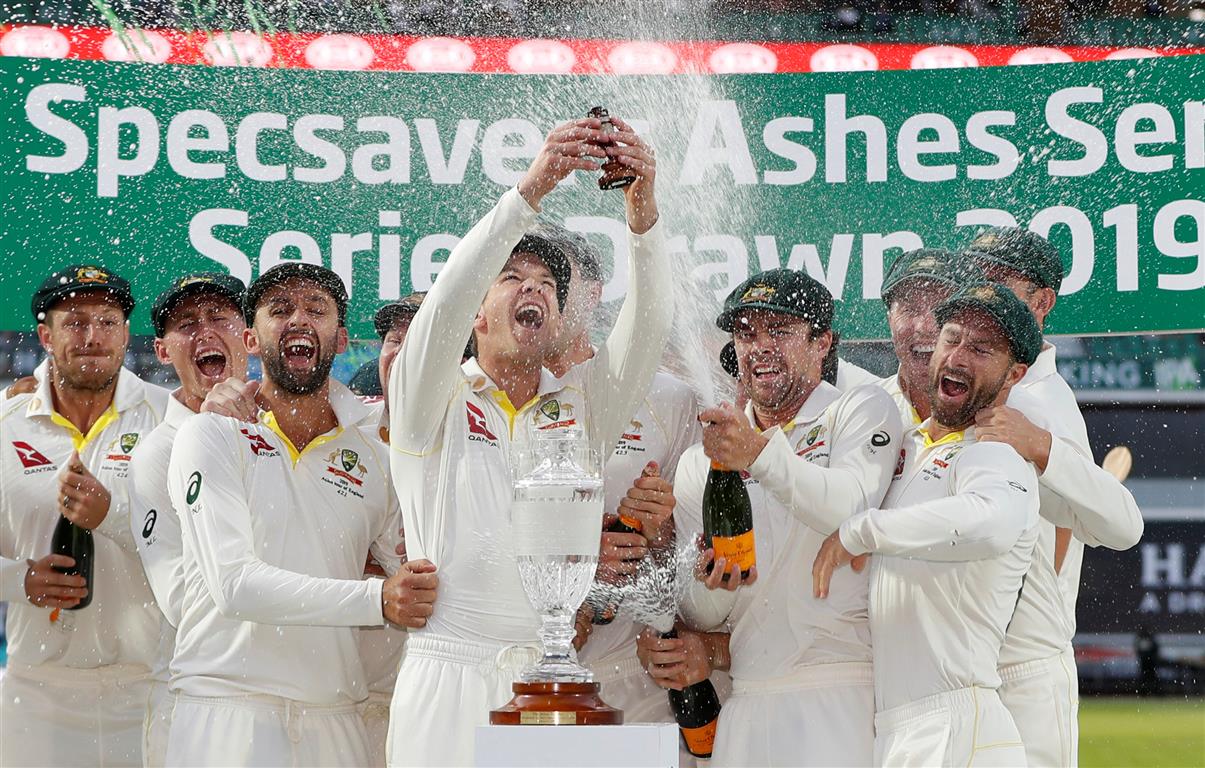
[{"x": 1125, "y": 732}]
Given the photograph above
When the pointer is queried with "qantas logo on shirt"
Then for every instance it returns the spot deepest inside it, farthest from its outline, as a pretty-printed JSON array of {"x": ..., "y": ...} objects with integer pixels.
[
  {"x": 31, "y": 458},
  {"x": 899, "y": 465},
  {"x": 260, "y": 446},
  {"x": 478, "y": 431}
]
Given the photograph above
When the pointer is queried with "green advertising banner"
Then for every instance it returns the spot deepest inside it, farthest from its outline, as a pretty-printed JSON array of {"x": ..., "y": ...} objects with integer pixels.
[{"x": 159, "y": 170}]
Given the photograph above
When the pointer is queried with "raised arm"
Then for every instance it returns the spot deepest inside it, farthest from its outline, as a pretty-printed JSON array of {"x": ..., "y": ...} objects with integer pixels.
[
  {"x": 427, "y": 368},
  {"x": 619, "y": 375},
  {"x": 865, "y": 443},
  {"x": 992, "y": 502},
  {"x": 206, "y": 478}
]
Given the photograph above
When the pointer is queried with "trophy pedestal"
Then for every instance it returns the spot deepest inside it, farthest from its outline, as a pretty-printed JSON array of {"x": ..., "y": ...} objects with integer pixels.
[{"x": 556, "y": 704}]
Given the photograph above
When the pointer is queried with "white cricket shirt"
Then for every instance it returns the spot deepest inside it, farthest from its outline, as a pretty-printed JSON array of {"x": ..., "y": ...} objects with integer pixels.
[
  {"x": 121, "y": 626},
  {"x": 833, "y": 460},
  {"x": 452, "y": 430},
  {"x": 951, "y": 545},
  {"x": 275, "y": 541},
  {"x": 155, "y": 527},
  {"x": 663, "y": 427}
]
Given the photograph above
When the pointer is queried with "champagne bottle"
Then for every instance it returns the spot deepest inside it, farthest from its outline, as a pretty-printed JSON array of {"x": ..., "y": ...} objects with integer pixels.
[
  {"x": 615, "y": 175},
  {"x": 605, "y": 613},
  {"x": 75, "y": 542},
  {"x": 728, "y": 518},
  {"x": 697, "y": 711}
]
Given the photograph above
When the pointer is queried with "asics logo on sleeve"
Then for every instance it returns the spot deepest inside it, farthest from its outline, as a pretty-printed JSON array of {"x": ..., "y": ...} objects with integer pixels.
[{"x": 477, "y": 426}]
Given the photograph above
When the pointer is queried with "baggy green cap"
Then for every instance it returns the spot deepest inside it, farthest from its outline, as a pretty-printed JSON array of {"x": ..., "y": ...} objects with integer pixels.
[
  {"x": 1009, "y": 312},
  {"x": 936, "y": 265},
  {"x": 790, "y": 291},
  {"x": 1024, "y": 252}
]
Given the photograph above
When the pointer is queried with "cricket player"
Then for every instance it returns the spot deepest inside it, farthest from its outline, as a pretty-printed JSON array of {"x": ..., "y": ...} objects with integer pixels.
[
  {"x": 77, "y": 681},
  {"x": 280, "y": 516},
  {"x": 801, "y": 667},
  {"x": 951, "y": 544},
  {"x": 453, "y": 427},
  {"x": 639, "y": 487},
  {"x": 198, "y": 323},
  {"x": 1037, "y": 665}
]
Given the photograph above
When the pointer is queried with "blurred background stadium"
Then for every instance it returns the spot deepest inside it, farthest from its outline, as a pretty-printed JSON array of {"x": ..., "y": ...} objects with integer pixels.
[{"x": 1142, "y": 612}]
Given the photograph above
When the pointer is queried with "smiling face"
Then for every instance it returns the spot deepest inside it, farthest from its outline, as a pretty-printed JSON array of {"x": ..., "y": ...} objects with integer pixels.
[
  {"x": 297, "y": 335},
  {"x": 972, "y": 368},
  {"x": 203, "y": 341},
  {"x": 914, "y": 329},
  {"x": 86, "y": 337},
  {"x": 519, "y": 317},
  {"x": 779, "y": 361}
]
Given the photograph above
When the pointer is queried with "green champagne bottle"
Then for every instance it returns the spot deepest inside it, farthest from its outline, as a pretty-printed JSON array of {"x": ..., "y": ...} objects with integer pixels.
[
  {"x": 728, "y": 518},
  {"x": 697, "y": 712}
]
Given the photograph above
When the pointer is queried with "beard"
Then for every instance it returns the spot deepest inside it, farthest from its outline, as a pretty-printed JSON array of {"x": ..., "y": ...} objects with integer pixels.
[
  {"x": 979, "y": 397},
  {"x": 298, "y": 382},
  {"x": 87, "y": 377}
]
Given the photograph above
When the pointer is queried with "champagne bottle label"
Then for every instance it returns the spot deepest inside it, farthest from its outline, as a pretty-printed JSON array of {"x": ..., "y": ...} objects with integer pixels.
[
  {"x": 701, "y": 740},
  {"x": 736, "y": 549}
]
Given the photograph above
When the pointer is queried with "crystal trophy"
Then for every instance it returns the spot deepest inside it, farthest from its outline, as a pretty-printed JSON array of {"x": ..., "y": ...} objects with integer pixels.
[{"x": 556, "y": 526}]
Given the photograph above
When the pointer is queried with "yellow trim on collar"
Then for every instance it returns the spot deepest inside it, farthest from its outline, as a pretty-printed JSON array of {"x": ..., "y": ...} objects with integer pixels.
[
  {"x": 953, "y": 437},
  {"x": 269, "y": 420},
  {"x": 503, "y": 401},
  {"x": 79, "y": 440}
]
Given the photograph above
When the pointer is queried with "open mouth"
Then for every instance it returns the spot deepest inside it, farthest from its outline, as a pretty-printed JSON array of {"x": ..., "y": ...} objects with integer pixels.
[
  {"x": 530, "y": 315},
  {"x": 954, "y": 386},
  {"x": 922, "y": 352},
  {"x": 766, "y": 372},
  {"x": 210, "y": 362},
  {"x": 299, "y": 351}
]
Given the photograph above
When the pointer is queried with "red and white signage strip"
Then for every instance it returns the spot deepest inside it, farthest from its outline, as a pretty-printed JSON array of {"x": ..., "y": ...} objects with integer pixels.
[{"x": 523, "y": 56}]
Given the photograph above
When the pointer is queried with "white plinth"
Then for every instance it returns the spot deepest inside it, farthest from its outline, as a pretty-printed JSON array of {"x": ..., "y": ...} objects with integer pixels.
[{"x": 640, "y": 745}]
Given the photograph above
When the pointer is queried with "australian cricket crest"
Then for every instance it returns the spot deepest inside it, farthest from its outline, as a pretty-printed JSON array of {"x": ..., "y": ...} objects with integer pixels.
[
  {"x": 128, "y": 441},
  {"x": 345, "y": 472},
  {"x": 813, "y": 446},
  {"x": 554, "y": 413}
]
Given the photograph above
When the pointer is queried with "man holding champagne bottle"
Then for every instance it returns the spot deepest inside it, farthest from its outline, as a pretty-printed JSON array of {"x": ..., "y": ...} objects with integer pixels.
[
  {"x": 801, "y": 458},
  {"x": 80, "y": 648}
]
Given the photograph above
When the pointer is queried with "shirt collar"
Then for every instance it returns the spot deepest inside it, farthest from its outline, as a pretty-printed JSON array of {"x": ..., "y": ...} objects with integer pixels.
[
  {"x": 176, "y": 411},
  {"x": 130, "y": 391},
  {"x": 1043, "y": 368},
  {"x": 965, "y": 436},
  {"x": 822, "y": 397},
  {"x": 480, "y": 381}
]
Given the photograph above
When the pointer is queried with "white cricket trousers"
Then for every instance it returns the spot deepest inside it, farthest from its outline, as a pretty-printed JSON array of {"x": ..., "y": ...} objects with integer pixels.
[
  {"x": 57, "y": 716},
  {"x": 966, "y": 727},
  {"x": 374, "y": 711},
  {"x": 445, "y": 688},
  {"x": 1043, "y": 698},
  {"x": 157, "y": 725},
  {"x": 820, "y": 715},
  {"x": 262, "y": 731}
]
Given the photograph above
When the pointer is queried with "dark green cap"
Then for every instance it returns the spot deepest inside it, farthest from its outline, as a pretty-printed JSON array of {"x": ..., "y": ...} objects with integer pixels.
[
  {"x": 789, "y": 291},
  {"x": 218, "y": 283},
  {"x": 933, "y": 264},
  {"x": 328, "y": 280},
  {"x": 553, "y": 244},
  {"x": 1024, "y": 252},
  {"x": 1015, "y": 319},
  {"x": 366, "y": 381},
  {"x": 81, "y": 278},
  {"x": 388, "y": 314}
]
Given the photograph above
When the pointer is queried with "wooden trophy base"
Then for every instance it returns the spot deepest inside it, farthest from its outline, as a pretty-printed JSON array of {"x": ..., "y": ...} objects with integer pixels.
[{"x": 556, "y": 704}]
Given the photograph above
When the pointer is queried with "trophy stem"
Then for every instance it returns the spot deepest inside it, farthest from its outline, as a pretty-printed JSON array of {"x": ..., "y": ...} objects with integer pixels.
[{"x": 557, "y": 633}]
